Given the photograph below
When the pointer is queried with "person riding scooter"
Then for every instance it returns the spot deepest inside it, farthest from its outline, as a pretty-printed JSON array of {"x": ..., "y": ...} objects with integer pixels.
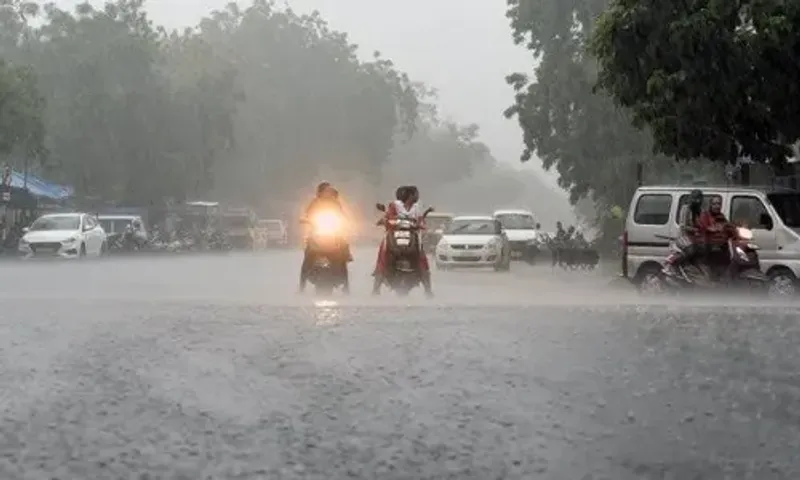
[
  {"x": 327, "y": 198},
  {"x": 688, "y": 241},
  {"x": 406, "y": 206}
]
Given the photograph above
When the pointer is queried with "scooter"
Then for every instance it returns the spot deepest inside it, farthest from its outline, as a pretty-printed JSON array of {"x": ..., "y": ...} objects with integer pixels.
[
  {"x": 404, "y": 244},
  {"x": 325, "y": 244},
  {"x": 743, "y": 266}
]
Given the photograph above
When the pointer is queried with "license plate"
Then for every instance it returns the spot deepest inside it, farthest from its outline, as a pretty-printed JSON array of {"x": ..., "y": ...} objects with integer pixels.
[{"x": 516, "y": 254}]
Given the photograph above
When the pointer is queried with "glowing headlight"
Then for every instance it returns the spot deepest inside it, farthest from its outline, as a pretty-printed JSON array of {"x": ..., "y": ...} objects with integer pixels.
[{"x": 327, "y": 223}]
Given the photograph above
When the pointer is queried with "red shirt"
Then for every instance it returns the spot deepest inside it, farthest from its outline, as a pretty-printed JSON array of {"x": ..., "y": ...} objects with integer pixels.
[{"x": 709, "y": 221}]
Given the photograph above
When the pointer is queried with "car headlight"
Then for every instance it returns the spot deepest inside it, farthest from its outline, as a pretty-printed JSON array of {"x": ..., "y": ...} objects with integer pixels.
[
  {"x": 492, "y": 244},
  {"x": 442, "y": 245},
  {"x": 23, "y": 241},
  {"x": 71, "y": 239}
]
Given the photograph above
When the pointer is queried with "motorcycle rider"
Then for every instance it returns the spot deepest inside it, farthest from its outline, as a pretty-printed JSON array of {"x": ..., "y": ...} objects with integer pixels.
[
  {"x": 408, "y": 205},
  {"x": 327, "y": 198},
  {"x": 713, "y": 228},
  {"x": 688, "y": 241}
]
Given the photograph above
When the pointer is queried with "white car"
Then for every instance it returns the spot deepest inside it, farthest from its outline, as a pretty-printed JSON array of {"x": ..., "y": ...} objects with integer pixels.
[
  {"x": 473, "y": 241},
  {"x": 520, "y": 229},
  {"x": 64, "y": 235}
]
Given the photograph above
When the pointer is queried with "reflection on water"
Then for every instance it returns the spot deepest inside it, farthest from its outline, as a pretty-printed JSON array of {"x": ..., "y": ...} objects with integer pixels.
[{"x": 326, "y": 312}]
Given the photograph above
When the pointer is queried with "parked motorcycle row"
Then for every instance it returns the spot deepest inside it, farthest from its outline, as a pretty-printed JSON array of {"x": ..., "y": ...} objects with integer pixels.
[{"x": 206, "y": 240}]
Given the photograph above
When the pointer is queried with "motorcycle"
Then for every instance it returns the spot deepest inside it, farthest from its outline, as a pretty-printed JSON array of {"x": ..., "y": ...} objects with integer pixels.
[
  {"x": 325, "y": 244},
  {"x": 404, "y": 244},
  {"x": 743, "y": 269},
  {"x": 123, "y": 242}
]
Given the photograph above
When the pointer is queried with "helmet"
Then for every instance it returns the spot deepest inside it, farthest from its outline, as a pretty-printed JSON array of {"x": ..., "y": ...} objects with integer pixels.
[{"x": 322, "y": 186}]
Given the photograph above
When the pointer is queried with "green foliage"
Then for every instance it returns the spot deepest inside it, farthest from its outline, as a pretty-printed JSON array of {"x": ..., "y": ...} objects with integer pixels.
[
  {"x": 711, "y": 79},
  {"x": 590, "y": 143},
  {"x": 251, "y": 105},
  {"x": 21, "y": 111}
]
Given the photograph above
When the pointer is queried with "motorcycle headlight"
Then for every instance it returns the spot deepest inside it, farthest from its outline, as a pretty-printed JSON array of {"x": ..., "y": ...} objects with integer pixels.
[{"x": 327, "y": 223}]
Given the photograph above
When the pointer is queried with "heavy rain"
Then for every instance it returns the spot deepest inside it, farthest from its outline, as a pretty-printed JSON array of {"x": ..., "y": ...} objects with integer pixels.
[{"x": 295, "y": 240}]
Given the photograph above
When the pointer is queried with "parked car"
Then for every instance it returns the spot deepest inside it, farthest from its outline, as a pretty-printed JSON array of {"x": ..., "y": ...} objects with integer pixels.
[
  {"x": 64, "y": 235},
  {"x": 276, "y": 232},
  {"x": 473, "y": 241},
  {"x": 115, "y": 227}
]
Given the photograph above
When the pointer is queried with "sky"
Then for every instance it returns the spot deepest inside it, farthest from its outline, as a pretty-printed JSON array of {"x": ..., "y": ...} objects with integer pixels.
[{"x": 463, "y": 48}]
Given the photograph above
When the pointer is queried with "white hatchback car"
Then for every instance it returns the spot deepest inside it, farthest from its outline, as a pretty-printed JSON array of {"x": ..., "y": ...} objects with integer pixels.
[
  {"x": 473, "y": 241},
  {"x": 63, "y": 235}
]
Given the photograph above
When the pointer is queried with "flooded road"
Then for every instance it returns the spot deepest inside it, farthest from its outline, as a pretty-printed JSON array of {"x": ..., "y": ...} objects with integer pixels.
[{"x": 213, "y": 367}]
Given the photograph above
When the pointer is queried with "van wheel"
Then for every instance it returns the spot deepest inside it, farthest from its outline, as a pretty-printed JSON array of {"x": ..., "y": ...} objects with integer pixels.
[
  {"x": 782, "y": 284},
  {"x": 649, "y": 280}
]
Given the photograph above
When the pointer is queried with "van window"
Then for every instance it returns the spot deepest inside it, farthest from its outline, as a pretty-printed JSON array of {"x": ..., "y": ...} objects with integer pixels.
[
  {"x": 747, "y": 210},
  {"x": 685, "y": 199},
  {"x": 788, "y": 207},
  {"x": 653, "y": 209}
]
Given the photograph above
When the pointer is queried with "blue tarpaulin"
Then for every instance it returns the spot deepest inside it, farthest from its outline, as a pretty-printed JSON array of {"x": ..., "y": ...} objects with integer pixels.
[{"x": 41, "y": 188}]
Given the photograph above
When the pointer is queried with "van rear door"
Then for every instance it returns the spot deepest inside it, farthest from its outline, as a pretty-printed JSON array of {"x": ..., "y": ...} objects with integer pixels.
[{"x": 649, "y": 227}]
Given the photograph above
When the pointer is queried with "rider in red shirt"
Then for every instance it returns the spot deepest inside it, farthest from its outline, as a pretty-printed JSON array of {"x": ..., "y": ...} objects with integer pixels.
[{"x": 408, "y": 196}]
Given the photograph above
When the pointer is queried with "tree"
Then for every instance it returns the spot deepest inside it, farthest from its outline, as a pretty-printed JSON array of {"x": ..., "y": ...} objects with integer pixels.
[
  {"x": 21, "y": 111},
  {"x": 716, "y": 80},
  {"x": 591, "y": 143}
]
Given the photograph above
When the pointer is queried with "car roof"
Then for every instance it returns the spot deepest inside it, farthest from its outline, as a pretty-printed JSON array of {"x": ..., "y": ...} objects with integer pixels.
[
  {"x": 766, "y": 189},
  {"x": 474, "y": 217},
  {"x": 70, "y": 214},
  {"x": 513, "y": 212},
  {"x": 118, "y": 217}
]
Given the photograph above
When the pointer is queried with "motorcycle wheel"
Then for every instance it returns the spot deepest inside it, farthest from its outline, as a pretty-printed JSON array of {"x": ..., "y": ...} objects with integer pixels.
[{"x": 323, "y": 289}]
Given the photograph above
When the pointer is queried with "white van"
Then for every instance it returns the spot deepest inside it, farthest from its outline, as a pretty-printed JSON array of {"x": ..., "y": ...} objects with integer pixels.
[
  {"x": 773, "y": 214},
  {"x": 520, "y": 229}
]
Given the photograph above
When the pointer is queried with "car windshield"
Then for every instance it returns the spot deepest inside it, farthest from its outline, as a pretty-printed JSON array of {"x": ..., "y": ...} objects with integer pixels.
[
  {"x": 516, "y": 221},
  {"x": 273, "y": 226},
  {"x": 56, "y": 223},
  {"x": 471, "y": 227},
  {"x": 788, "y": 207}
]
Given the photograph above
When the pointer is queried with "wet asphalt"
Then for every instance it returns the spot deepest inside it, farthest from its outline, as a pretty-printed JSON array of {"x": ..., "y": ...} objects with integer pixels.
[{"x": 212, "y": 367}]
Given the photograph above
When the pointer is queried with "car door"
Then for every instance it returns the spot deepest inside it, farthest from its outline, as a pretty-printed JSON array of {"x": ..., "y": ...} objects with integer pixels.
[{"x": 91, "y": 233}]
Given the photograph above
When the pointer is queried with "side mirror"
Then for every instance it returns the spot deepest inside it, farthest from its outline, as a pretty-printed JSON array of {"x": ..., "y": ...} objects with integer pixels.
[
  {"x": 765, "y": 221},
  {"x": 381, "y": 207}
]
